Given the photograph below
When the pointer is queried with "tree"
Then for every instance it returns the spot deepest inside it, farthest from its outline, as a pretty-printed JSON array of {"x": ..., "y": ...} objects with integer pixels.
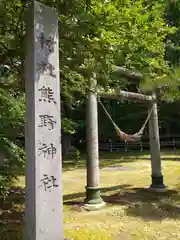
[{"x": 94, "y": 37}]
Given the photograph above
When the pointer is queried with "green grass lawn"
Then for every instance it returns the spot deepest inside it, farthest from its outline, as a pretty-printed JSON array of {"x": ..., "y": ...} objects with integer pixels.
[{"x": 131, "y": 213}]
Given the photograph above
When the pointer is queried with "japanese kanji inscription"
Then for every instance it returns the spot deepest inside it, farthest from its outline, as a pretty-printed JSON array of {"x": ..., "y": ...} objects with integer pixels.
[{"x": 43, "y": 129}]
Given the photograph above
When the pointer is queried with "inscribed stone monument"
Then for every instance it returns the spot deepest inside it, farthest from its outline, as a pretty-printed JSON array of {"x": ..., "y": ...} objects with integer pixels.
[{"x": 43, "y": 214}]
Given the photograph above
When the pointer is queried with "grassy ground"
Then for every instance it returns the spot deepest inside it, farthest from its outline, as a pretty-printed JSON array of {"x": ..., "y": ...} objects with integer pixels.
[{"x": 131, "y": 212}]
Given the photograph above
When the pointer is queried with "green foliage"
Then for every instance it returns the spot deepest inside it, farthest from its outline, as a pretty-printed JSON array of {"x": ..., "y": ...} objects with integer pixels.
[
  {"x": 172, "y": 55},
  {"x": 73, "y": 154},
  {"x": 12, "y": 102},
  {"x": 97, "y": 36},
  {"x": 173, "y": 40},
  {"x": 94, "y": 37},
  {"x": 69, "y": 126},
  {"x": 11, "y": 127},
  {"x": 14, "y": 161},
  {"x": 11, "y": 113}
]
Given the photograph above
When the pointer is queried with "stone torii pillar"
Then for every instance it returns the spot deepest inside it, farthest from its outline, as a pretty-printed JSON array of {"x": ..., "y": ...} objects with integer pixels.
[
  {"x": 93, "y": 199},
  {"x": 157, "y": 177}
]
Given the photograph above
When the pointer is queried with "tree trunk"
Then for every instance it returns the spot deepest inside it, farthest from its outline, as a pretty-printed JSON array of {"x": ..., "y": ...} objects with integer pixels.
[{"x": 66, "y": 143}]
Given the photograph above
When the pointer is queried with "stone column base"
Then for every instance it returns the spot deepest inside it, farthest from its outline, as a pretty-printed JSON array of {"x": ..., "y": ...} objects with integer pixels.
[
  {"x": 158, "y": 184},
  {"x": 93, "y": 199}
]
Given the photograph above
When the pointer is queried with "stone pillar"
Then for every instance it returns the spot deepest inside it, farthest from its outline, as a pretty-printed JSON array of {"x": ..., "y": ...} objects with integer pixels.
[
  {"x": 157, "y": 177},
  {"x": 93, "y": 199},
  {"x": 43, "y": 207}
]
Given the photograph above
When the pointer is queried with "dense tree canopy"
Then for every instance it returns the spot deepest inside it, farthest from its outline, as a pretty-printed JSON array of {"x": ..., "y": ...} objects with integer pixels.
[{"x": 95, "y": 36}]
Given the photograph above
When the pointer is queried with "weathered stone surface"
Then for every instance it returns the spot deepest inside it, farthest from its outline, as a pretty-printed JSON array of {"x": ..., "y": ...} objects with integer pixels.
[{"x": 43, "y": 219}]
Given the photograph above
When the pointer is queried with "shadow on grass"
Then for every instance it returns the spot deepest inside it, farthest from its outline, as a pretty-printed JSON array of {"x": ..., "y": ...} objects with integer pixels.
[
  {"x": 139, "y": 202},
  {"x": 170, "y": 158},
  {"x": 70, "y": 165},
  {"x": 74, "y": 196},
  {"x": 11, "y": 208},
  {"x": 137, "y": 155},
  {"x": 106, "y": 159},
  {"x": 110, "y": 158},
  {"x": 146, "y": 204},
  {"x": 12, "y": 215},
  {"x": 11, "y": 231}
]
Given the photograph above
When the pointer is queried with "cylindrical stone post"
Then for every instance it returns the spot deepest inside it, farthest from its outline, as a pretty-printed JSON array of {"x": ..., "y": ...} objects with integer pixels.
[
  {"x": 93, "y": 199},
  {"x": 157, "y": 177}
]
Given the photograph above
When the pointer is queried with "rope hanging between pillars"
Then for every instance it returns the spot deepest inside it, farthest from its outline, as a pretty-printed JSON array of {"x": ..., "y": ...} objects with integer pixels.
[{"x": 124, "y": 136}]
